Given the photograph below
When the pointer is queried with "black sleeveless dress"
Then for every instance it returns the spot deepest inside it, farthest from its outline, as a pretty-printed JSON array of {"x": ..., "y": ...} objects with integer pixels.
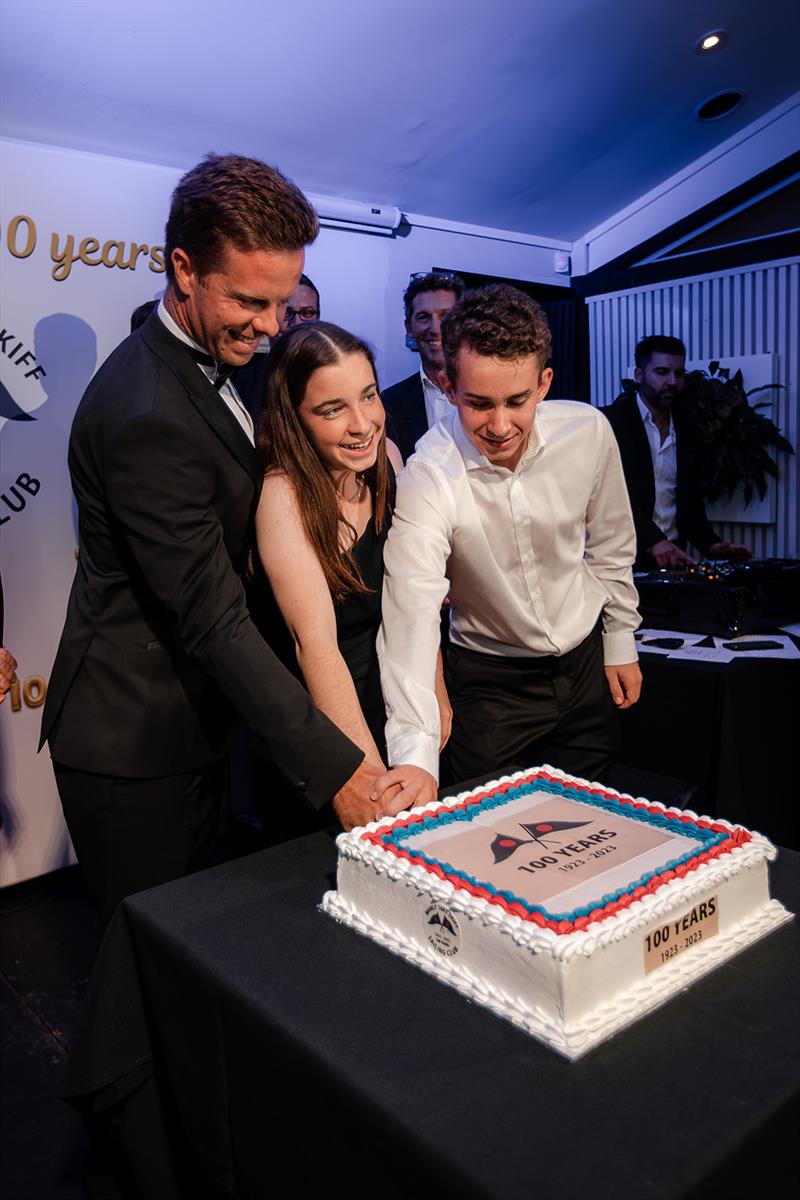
[{"x": 358, "y": 619}]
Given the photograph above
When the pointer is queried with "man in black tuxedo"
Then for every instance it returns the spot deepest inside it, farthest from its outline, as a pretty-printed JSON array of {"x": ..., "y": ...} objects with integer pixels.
[
  {"x": 158, "y": 653},
  {"x": 415, "y": 404},
  {"x": 655, "y": 446}
]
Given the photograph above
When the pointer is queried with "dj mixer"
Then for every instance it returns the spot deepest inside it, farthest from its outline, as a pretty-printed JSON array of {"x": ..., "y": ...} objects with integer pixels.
[{"x": 723, "y": 597}]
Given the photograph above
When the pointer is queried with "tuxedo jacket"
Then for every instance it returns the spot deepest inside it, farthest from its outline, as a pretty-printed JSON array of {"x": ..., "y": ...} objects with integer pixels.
[
  {"x": 637, "y": 463},
  {"x": 158, "y": 652},
  {"x": 407, "y": 420}
]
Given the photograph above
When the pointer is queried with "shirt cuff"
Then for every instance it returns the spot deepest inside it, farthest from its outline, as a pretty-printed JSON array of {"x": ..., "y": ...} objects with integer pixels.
[
  {"x": 619, "y": 648},
  {"x": 417, "y": 749}
]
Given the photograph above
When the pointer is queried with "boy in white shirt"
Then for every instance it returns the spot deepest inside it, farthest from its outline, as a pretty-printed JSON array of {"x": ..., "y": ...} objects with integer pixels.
[{"x": 519, "y": 509}]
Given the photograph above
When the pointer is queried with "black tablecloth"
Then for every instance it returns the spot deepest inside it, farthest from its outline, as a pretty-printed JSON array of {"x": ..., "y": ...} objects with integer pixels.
[
  {"x": 730, "y": 727},
  {"x": 232, "y": 1027}
]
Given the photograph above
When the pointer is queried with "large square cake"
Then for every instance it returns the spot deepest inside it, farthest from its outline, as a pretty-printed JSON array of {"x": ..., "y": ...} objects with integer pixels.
[{"x": 561, "y": 905}]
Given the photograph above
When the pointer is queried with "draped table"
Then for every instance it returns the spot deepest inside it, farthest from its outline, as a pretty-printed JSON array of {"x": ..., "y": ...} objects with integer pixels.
[
  {"x": 234, "y": 1034},
  {"x": 729, "y": 727}
]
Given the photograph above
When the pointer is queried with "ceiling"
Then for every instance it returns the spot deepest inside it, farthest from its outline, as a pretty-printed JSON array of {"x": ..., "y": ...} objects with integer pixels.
[{"x": 540, "y": 116}]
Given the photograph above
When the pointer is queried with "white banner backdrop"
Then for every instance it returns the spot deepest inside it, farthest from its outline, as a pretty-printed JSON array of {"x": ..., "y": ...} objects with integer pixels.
[{"x": 78, "y": 252}]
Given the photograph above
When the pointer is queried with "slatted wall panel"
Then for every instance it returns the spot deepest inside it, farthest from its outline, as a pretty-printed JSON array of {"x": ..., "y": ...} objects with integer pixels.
[{"x": 751, "y": 310}]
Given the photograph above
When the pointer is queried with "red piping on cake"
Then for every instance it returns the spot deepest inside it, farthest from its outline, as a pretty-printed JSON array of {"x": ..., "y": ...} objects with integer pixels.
[{"x": 736, "y": 837}]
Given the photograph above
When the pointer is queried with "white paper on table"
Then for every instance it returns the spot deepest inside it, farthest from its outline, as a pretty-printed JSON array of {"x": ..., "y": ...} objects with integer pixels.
[
  {"x": 787, "y": 646},
  {"x": 643, "y": 635},
  {"x": 795, "y": 629},
  {"x": 704, "y": 654}
]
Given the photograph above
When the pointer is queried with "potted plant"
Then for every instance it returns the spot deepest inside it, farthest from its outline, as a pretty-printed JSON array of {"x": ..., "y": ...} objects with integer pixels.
[{"x": 732, "y": 438}]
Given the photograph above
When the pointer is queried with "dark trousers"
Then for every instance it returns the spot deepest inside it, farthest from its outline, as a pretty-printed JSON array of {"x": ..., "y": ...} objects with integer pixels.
[
  {"x": 553, "y": 709},
  {"x": 132, "y": 834}
]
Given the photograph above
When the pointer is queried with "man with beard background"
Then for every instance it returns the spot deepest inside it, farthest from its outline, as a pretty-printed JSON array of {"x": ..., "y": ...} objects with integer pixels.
[{"x": 654, "y": 444}]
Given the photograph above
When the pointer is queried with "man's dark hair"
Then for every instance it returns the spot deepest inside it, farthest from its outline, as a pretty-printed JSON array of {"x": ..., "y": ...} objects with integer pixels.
[
  {"x": 434, "y": 281},
  {"x": 657, "y": 343},
  {"x": 309, "y": 283},
  {"x": 228, "y": 199},
  {"x": 497, "y": 321},
  {"x": 140, "y": 314}
]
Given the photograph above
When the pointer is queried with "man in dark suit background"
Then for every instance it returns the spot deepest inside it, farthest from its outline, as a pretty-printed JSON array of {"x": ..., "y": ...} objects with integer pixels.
[
  {"x": 655, "y": 446},
  {"x": 302, "y": 306},
  {"x": 158, "y": 653},
  {"x": 415, "y": 404}
]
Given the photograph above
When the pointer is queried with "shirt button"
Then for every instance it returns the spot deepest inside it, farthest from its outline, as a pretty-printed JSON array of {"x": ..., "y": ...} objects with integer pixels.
[{"x": 302, "y": 784}]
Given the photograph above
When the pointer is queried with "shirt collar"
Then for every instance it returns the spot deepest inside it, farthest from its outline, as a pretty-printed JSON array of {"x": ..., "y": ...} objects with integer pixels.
[
  {"x": 175, "y": 329},
  {"x": 428, "y": 385},
  {"x": 647, "y": 416}
]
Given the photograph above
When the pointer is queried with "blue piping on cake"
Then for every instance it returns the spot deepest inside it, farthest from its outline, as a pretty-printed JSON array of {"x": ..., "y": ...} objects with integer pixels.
[{"x": 707, "y": 837}]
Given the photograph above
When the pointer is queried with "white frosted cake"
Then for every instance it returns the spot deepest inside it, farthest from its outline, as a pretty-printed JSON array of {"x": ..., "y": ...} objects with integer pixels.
[{"x": 560, "y": 905}]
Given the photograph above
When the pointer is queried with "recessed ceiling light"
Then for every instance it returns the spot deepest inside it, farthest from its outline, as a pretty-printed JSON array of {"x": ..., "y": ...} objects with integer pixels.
[
  {"x": 712, "y": 41},
  {"x": 720, "y": 105}
]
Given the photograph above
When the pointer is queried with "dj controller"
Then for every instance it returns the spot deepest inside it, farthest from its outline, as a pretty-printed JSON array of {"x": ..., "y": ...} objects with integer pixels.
[{"x": 725, "y": 597}]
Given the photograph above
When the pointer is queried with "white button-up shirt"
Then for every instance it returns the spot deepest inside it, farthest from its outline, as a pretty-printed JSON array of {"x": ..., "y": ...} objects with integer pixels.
[
  {"x": 531, "y": 558},
  {"x": 665, "y": 472},
  {"x": 228, "y": 393}
]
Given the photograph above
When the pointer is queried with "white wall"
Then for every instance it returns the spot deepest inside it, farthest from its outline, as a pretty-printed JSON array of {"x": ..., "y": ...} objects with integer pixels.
[
  {"x": 362, "y": 277},
  {"x": 66, "y": 327},
  {"x": 727, "y": 315}
]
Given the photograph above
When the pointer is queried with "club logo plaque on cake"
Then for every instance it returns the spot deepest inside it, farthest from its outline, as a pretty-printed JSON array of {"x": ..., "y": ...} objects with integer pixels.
[
  {"x": 443, "y": 931},
  {"x": 561, "y": 905}
]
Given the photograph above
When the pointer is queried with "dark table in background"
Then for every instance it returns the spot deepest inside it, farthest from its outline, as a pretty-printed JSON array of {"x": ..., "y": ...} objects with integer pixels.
[
  {"x": 731, "y": 727},
  {"x": 236, "y": 1030}
]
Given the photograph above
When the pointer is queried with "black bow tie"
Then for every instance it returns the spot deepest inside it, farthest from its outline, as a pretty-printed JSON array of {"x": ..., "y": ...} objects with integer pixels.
[{"x": 221, "y": 371}]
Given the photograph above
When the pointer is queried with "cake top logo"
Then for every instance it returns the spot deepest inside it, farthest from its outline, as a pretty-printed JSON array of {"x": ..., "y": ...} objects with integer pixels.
[
  {"x": 504, "y": 844},
  {"x": 442, "y": 929}
]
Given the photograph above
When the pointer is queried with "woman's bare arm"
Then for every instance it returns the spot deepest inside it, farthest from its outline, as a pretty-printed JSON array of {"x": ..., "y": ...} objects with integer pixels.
[{"x": 300, "y": 589}]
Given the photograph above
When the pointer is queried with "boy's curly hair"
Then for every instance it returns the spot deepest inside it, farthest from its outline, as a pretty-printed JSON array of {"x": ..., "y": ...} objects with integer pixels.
[{"x": 497, "y": 321}]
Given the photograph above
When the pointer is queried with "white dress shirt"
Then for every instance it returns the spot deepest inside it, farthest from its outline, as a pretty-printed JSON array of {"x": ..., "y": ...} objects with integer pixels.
[
  {"x": 531, "y": 557},
  {"x": 665, "y": 472},
  {"x": 228, "y": 392},
  {"x": 437, "y": 405}
]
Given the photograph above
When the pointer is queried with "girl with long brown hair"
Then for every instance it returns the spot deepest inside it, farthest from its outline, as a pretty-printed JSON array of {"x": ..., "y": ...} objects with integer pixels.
[{"x": 322, "y": 521}]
